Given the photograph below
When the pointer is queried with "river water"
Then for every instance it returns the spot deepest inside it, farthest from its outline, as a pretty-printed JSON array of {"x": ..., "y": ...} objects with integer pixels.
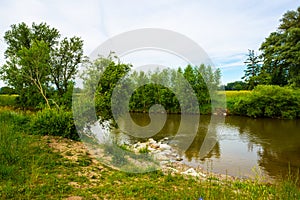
[{"x": 245, "y": 147}]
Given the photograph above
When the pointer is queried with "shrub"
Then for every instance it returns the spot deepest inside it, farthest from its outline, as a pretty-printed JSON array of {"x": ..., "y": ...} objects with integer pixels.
[
  {"x": 268, "y": 101},
  {"x": 56, "y": 122}
]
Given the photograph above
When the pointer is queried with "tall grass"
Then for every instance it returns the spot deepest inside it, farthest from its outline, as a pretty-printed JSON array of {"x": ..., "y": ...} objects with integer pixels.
[{"x": 24, "y": 163}]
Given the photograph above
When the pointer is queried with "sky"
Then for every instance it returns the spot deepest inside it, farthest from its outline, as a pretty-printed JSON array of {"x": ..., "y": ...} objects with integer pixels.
[{"x": 224, "y": 29}]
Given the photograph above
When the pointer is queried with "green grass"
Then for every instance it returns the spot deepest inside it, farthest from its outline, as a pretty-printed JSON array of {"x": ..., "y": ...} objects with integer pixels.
[
  {"x": 30, "y": 169},
  {"x": 7, "y": 100}
]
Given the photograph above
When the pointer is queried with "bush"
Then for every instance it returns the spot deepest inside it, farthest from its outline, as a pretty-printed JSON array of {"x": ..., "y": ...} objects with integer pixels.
[
  {"x": 269, "y": 101},
  {"x": 54, "y": 122}
]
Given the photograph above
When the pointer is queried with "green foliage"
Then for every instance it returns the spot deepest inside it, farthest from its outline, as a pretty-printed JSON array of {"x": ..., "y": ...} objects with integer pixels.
[
  {"x": 252, "y": 70},
  {"x": 12, "y": 154},
  {"x": 144, "y": 150},
  {"x": 108, "y": 80},
  {"x": 56, "y": 122},
  {"x": 8, "y": 100},
  {"x": 281, "y": 52},
  {"x": 236, "y": 85},
  {"x": 268, "y": 101},
  {"x": 201, "y": 79},
  {"x": 28, "y": 170},
  {"x": 36, "y": 59},
  {"x": 154, "y": 87},
  {"x": 7, "y": 90}
]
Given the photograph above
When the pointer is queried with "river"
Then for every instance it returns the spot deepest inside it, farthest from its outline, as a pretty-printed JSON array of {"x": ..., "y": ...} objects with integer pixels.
[{"x": 245, "y": 147}]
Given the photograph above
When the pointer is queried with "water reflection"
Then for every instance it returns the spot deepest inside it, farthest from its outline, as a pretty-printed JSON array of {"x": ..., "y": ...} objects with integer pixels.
[
  {"x": 243, "y": 143},
  {"x": 279, "y": 141}
]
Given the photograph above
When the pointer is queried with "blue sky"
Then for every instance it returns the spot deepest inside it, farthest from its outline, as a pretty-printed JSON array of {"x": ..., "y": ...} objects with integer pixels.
[{"x": 224, "y": 29}]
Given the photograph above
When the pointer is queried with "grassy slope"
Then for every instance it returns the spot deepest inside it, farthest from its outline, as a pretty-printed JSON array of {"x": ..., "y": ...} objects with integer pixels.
[{"x": 35, "y": 167}]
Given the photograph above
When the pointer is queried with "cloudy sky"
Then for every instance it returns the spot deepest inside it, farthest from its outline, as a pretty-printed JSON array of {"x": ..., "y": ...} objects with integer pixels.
[{"x": 224, "y": 29}]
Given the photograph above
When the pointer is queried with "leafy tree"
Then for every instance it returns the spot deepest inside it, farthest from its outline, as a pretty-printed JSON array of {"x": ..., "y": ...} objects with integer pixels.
[
  {"x": 65, "y": 59},
  {"x": 35, "y": 67},
  {"x": 253, "y": 69},
  {"x": 36, "y": 59},
  {"x": 111, "y": 73},
  {"x": 28, "y": 53},
  {"x": 281, "y": 51}
]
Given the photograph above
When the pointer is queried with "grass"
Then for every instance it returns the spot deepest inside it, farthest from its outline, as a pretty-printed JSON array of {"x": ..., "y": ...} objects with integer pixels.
[
  {"x": 7, "y": 100},
  {"x": 232, "y": 97},
  {"x": 230, "y": 94},
  {"x": 32, "y": 167}
]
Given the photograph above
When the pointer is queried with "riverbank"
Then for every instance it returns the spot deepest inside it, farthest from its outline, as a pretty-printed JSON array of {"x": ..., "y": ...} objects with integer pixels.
[
  {"x": 52, "y": 167},
  {"x": 170, "y": 161}
]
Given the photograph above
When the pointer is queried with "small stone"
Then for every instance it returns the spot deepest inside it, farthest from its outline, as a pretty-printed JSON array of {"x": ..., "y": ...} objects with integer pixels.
[
  {"x": 151, "y": 141},
  {"x": 161, "y": 156},
  {"x": 165, "y": 147},
  {"x": 201, "y": 174},
  {"x": 190, "y": 172},
  {"x": 154, "y": 145},
  {"x": 179, "y": 158},
  {"x": 150, "y": 149},
  {"x": 164, "y": 162},
  {"x": 172, "y": 169},
  {"x": 168, "y": 152}
]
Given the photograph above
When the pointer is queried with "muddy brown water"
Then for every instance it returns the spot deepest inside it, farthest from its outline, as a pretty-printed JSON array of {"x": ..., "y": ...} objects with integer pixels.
[{"x": 245, "y": 147}]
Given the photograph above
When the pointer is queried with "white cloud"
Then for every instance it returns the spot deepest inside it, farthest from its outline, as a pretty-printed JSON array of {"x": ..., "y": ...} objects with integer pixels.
[{"x": 223, "y": 28}]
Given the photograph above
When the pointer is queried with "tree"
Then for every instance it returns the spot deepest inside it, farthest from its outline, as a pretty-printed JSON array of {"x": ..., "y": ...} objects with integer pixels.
[
  {"x": 36, "y": 60},
  {"x": 35, "y": 66},
  {"x": 7, "y": 90},
  {"x": 111, "y": 72},
  {"x": 63, "y": 66},
  {"x": 252, "y": 70},
  {"x": 281, "y": 51},
  {"x": 24, "y": 46},
  {"x": 236, "y": 85}
]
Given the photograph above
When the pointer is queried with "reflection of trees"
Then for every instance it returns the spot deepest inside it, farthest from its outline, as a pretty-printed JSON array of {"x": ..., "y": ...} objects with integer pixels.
[
  {"x": 170, "y": 129},
  {"x": 194, "y": 150},
  {"x": 279, "y": 139}
]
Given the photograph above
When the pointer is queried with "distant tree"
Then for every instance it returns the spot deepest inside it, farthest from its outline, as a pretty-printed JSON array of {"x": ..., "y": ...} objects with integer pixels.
[
  {"x": 253, "y": 69},
  {"x": 7, "y": 90},
  {"x": 236, "y": 85}
]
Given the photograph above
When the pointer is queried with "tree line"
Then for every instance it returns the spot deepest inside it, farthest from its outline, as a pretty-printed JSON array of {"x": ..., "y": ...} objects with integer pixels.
[{"x": 165, "y": 87}]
